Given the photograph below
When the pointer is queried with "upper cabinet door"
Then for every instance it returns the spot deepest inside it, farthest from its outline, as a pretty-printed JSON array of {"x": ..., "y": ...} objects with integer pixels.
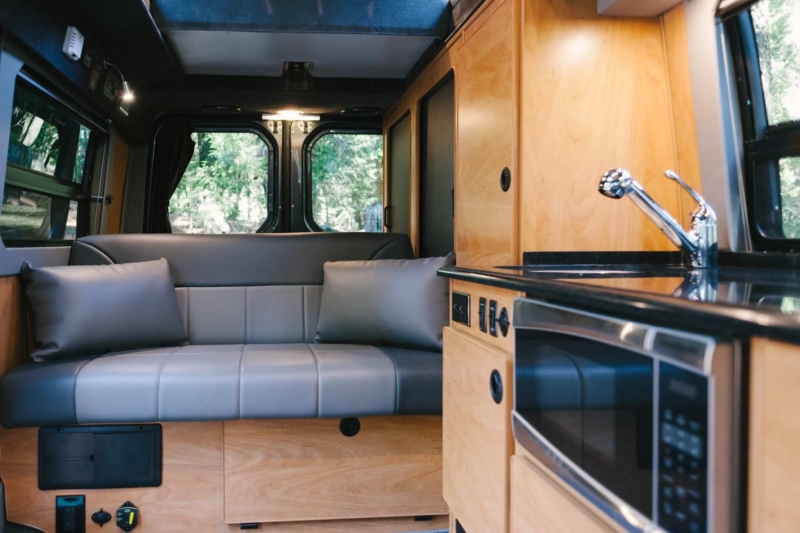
[{"x": 486, "y": 141}]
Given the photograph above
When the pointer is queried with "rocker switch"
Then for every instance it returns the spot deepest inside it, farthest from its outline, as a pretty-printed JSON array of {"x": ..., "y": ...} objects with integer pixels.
[
  {"x": 482, "y": 314},
  {"x": 493, "y": 318}
]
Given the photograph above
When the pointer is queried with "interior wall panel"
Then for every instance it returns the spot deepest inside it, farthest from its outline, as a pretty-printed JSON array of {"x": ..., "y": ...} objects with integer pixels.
[
  {"x": 595, "y": 96},
  {"x": 683, "y": 117},
  {"x": 400, "y": 175},
  {"x": 437, "y": 172}
]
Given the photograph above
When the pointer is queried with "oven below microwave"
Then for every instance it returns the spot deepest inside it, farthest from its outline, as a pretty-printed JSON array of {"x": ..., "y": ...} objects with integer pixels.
[{"x": 643, "y": 421}]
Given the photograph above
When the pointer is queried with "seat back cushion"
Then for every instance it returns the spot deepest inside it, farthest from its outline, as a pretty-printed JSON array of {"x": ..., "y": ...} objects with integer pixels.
[
  {"x": 245, "y": 289},
  {"x": 81, "y": 310},
  {"x": 399, "y": 303}
]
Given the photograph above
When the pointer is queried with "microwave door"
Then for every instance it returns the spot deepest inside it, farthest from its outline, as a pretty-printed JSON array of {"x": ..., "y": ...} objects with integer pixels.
[{"x": 594, "y": 404}]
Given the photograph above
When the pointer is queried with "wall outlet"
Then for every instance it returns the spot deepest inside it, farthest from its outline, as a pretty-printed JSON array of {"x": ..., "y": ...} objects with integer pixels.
[{"x": 460, "y": 311}]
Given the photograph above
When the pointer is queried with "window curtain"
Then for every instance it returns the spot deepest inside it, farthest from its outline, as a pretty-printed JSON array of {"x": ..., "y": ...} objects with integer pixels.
[{"x": 173, "y": 150}]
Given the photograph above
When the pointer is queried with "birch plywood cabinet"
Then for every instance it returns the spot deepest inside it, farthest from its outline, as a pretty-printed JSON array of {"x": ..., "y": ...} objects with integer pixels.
[
  {"x": 477, "y": 438},
  {"x": 486, "y": 139},
  {"x": 773, "y": 488},
  {"x": 540, "y": 504}
]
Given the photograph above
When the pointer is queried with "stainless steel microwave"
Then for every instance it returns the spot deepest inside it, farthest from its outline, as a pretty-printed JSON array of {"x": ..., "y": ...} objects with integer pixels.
[{"x": 644, "y": 421}]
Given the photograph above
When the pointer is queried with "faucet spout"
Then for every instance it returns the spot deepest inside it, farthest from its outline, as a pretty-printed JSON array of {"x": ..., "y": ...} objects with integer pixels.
[{"x": 698, "y": 245}]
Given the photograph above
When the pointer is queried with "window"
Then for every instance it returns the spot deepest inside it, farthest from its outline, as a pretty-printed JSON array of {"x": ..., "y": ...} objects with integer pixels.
[
  {"x": 46, "y": 173},
  {"x": 227, "y": 187},
  {"x": 765, "y": 45},
  {"x": 345, "y": 181}
]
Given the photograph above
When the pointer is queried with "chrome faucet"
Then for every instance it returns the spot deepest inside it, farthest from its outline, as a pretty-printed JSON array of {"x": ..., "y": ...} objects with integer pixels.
[{"x": 699, "y": 245}]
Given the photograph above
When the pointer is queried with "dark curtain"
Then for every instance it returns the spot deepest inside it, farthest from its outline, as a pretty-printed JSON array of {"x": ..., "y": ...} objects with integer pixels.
[{"x": 173, "y": 151}]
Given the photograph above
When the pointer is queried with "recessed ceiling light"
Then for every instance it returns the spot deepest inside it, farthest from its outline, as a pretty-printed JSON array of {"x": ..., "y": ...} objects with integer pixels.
[{"x": 289, "y": 114}]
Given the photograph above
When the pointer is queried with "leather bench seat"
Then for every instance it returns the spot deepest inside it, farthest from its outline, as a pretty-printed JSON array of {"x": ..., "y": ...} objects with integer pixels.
[
  {"x": 250, "y": 305},
  {"x": 224, "y": 382}
]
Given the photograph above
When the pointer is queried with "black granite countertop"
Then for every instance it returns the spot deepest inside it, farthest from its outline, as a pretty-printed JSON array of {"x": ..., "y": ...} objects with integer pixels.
[{"x": 748, "y": 295}]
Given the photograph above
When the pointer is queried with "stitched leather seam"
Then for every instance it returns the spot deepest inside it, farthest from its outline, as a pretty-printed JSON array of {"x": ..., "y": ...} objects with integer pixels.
[{"x": 316, "y": 362}]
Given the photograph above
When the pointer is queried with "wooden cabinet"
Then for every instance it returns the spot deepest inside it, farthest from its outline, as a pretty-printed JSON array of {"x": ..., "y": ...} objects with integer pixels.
[
  {"x": 540, "y": 504},
  {"x": 477, "y": 440},
  {"x": 504, "y": 299},
  {"x": 486, "y": 139},
  {"x": 293, "y": 470},
  {"x": 774, "y": 470}
]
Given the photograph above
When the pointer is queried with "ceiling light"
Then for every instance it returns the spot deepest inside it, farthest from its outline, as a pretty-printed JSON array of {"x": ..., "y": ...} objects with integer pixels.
[{"x": 289, "y": 114}]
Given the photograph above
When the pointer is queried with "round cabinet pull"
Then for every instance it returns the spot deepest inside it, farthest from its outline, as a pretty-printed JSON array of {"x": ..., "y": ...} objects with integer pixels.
[
  {"x": 496, "y": 386},
  {"x": 505, "y": 179},
  {"x": 349, "y": 427}
]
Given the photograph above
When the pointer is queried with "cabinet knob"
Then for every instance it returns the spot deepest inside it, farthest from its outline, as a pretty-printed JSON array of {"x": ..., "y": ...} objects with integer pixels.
[
  {"x": 496, "y": 386},
  {"x": 505, "y": 179}
]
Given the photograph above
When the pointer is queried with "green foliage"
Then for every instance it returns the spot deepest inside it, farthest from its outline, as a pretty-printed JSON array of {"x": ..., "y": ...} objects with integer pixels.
[
  {"x": 225, "y": 189},
  {"x": 34, "y": 140},
  {"x": 347, "y": 181},
  {"x": 777, "y": 28}
]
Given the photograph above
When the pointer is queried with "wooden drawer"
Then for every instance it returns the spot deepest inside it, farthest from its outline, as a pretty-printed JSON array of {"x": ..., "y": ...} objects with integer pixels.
[
  {"x": 504, "y": 299},
  {"x": 299, "y": 470},
  {"x": 477, "y": 440},
  {"x": 540, "y": 504}
]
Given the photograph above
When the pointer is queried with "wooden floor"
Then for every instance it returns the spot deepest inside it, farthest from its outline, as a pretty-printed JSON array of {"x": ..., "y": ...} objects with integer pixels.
[{"x": 191, "y": 497}]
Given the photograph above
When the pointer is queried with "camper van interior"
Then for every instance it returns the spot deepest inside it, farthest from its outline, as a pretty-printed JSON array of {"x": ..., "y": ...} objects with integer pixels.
[{"x": 389, "y": 266}]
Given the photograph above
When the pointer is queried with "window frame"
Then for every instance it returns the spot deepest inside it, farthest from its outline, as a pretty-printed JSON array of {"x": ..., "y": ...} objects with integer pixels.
[
  {"x": 315, "y": 135},
  {"x": 52, "y": 185},
  {"x": 236, "y": 126},
  {"x": 764, "y": 145}
]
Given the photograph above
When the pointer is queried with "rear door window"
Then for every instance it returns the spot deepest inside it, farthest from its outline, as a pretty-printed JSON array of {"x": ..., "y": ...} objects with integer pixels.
[
  {"x": 227, "y": 187},
  {"x": 346, "y": 182}
]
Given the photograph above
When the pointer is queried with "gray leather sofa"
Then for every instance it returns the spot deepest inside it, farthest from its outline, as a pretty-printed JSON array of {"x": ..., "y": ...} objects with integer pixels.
[{"x": 250, "y": 307}]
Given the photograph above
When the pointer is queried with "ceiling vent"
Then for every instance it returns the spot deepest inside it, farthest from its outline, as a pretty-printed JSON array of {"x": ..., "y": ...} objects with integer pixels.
[
  {"x": 297, "y": 76},
  {"x": 360, "y": 111}
]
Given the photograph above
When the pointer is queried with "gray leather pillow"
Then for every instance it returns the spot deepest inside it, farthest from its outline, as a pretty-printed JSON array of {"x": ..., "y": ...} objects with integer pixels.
[
  {"x": 80, "y": 310},
  {"x": 397, "y": 302}
]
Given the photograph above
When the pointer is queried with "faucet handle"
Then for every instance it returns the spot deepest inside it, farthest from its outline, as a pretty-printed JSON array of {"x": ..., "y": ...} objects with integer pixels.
[{"x": 705, "y": 210}]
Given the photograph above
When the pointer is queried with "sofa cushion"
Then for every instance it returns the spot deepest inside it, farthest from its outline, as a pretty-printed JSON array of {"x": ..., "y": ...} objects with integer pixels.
[
  {"x": 81, "y": 310},
  {"x": 399, "y": 302},
  {"x": 223, "y": 382},
  {"x": 242, "y": 260}
]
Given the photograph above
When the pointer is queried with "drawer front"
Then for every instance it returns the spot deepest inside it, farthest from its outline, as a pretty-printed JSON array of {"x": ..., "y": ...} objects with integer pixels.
[
  {"x": 504, "y": 299},
  {"x": 539, "y": 504},
  {"x": 477, "y": 440}
]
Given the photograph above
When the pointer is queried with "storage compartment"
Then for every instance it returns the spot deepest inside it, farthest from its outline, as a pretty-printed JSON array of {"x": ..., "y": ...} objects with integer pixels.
[
  {"x": 299, "y": 470},
  {"x": 477, "y": 439},
  {"x": 99, "y": 457},
  {"x": 540, "y": 504}
]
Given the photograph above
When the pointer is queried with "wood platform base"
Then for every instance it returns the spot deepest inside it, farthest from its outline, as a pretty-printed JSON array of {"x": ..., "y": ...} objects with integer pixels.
[{"x": 193, "y": 496}]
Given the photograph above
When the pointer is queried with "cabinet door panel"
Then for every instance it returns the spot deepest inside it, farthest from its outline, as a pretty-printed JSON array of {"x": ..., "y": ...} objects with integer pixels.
[
  {"x": 539, "y": 504},
  {"x": 477, "y": 434},
  {"x": 486, "y": 217}
]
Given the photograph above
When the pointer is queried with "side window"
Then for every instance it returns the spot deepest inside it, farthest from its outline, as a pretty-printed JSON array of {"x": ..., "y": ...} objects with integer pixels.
[
  {"x": 765, "y": 44},
  {"x": 45, "y": 196},
  {"x": 346, "y": 182},
  {"x": 227, "y": 187}
]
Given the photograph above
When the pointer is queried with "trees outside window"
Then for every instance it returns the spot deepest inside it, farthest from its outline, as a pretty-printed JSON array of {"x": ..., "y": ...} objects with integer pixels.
[
  {"x": 347, "y": 182},
  {"x": 226, "y": 188}
]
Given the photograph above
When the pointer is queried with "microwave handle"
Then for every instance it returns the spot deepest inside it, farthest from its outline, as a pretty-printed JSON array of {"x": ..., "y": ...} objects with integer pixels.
[
  {"x": 689, "y": 349},
  {"x": 628, "y": 518}
]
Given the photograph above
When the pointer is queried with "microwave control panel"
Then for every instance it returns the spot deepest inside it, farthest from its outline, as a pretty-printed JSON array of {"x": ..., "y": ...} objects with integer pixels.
[{"x": 683, "y": 436}]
